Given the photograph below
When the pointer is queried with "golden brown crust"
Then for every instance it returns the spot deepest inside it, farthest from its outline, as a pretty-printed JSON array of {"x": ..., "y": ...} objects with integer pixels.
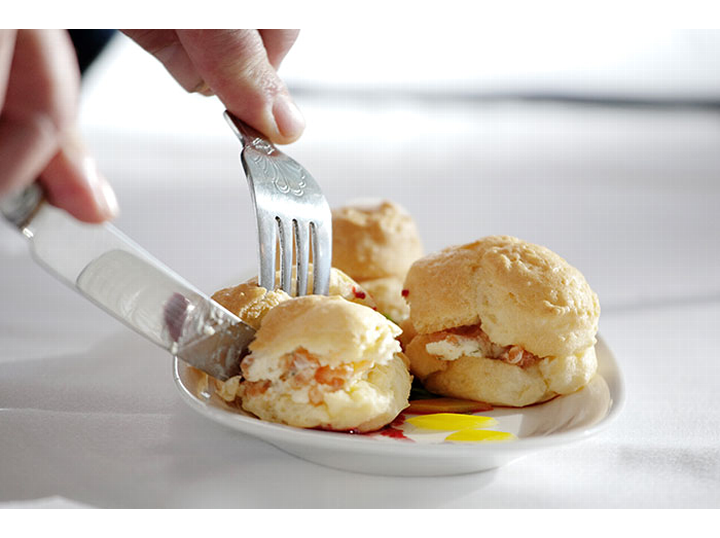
[
  {"x": 374, "y": 240},
  {"x": 331, "y": 328},
  {"x": 523, "y": 294},
  {"x": 249, "y": 302}
]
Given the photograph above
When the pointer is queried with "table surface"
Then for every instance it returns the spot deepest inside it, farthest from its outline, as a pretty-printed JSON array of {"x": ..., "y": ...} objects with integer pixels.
[{"x": 89, "y": 413}]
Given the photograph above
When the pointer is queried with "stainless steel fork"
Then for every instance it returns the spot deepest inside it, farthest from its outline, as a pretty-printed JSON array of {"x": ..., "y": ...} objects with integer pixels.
[{"x": 291, "y": 212}]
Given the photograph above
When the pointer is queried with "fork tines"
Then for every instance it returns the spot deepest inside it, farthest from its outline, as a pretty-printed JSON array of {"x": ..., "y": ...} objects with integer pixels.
[
  {"x": 295, "y": 239},
  {"x": 292, "y": 216}
]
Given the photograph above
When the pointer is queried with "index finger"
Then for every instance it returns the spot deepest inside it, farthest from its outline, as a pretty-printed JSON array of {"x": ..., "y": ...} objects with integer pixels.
[
  {"x": 7, "y": 45},
  {"x": 277, "y": 44},
  {"x": 235, "y": 64}
]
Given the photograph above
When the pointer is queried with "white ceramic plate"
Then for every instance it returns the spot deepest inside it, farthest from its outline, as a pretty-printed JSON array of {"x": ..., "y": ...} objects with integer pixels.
[{"x": 560, "y": 421}]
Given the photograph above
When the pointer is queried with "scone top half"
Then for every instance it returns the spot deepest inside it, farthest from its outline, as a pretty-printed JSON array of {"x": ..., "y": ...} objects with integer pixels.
[
  {"x": 335, "y": 331},
  {"x": 520, "y": 294}
]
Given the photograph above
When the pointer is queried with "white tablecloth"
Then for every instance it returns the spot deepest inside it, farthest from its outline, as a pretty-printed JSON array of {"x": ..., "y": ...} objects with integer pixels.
[{"x": 89, "y": 414}]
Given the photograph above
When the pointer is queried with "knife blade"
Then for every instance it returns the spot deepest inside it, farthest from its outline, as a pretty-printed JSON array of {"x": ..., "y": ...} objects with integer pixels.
[{"x": 116, "y": 274}]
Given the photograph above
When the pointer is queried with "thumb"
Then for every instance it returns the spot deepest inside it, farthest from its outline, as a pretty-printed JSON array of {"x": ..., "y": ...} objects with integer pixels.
[{"x": 235, "y": 65}]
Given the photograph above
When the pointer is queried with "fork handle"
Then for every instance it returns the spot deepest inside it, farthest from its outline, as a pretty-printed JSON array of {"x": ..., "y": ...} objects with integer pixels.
[{"x": 246, "y": 134}]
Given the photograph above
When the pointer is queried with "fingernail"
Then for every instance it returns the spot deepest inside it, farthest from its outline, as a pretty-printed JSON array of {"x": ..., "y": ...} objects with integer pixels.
[
  {"x": 103, "y": 193},
  {"x": 289, "y": 119}
]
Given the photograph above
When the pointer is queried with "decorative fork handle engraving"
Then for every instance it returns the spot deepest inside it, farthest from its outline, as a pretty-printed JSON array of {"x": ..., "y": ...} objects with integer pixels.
[
  {"x": 286, "y": 175},
  {"x": 263, "y": 146}
]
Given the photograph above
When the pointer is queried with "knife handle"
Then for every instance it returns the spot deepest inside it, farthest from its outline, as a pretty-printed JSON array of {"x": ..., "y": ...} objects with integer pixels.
[{"x": 19, "y": 208}]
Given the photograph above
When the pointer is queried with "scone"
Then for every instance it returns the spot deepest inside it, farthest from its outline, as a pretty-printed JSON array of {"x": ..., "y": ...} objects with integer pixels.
[
  {"x": 249, "y": 302},
  {"x": 375, "y": 243},
  {"x": 324, "y": 362},
  {"x": 374, "y": 240},
  {"x": 502, "y": 321}
]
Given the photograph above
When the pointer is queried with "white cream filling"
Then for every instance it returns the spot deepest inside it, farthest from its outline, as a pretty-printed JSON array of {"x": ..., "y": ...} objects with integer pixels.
[
  {"x": 301, "y": 394},
  {"x": 454, "y": 347},
  {"x": 379, "y": 347}
]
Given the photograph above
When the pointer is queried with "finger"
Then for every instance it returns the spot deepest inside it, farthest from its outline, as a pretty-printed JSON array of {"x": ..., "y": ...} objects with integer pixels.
[
  {"x": 40, "y": 104},
  {"x": 277, "y": 44},
  {"x": 73, "y": 182},
  {"x": 25, "y": 148},
  {"x": 36, "y": 137},
  {"x": 7, "y": 45},
  {"x": 166, "y": 47},
  {"x": 235, "y": 65}
]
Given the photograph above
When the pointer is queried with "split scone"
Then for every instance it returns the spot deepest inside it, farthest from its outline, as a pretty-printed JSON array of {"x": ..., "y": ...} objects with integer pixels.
[
  {"x": 249, "y": 302},
  {"x": 324, "y": 362},
  {"x": 375, "y": 243},
  {"x": 502, "y": 321}
]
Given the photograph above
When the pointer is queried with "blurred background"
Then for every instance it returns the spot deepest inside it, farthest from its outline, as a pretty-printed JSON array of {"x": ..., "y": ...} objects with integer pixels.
[{"x": 602, "y": 146}]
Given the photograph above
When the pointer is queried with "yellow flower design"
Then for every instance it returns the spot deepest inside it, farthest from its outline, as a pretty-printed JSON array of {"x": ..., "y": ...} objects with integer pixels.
[{"x": 468, "y": 428}]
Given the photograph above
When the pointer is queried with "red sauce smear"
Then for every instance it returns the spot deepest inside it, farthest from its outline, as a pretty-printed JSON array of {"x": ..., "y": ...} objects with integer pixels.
[
  {"x": 392, "y": 430},
  {"x": 405, "y": 293},
  {"x": 358, "y": 294}
]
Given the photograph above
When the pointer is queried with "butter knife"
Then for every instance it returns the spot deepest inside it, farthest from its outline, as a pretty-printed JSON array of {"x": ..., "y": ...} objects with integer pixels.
[{"x": 109, "y": 269}]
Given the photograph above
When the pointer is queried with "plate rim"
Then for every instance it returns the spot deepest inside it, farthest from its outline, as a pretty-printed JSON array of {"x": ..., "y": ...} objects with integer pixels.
[{"x": 281, "y": 433}]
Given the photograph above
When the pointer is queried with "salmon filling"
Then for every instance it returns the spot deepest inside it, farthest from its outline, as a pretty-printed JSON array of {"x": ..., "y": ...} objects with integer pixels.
[
  {"x": 471, "y": 341},
  {"x": 300, "y": 369}
]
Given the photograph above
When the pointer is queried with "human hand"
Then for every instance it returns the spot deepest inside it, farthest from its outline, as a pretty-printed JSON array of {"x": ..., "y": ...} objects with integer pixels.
[
  {"x": 239, "y": 66},
  {"x": 39, "y": 86}
]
